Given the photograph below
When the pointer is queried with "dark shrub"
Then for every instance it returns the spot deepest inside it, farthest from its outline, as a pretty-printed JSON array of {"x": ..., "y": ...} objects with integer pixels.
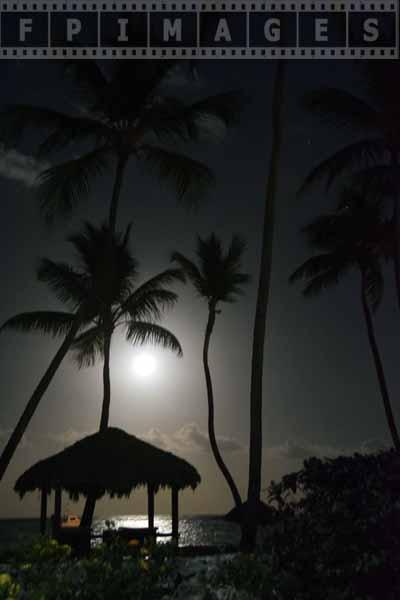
[{"x": 337, "y": 532}]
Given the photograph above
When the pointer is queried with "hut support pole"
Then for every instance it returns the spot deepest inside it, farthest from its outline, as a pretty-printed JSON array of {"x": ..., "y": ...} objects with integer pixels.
[
  {"x": 175, "y": 515},
  {"x": 150, "y": 505},
  {"x": 57, "y": 510},
  {"x": 43, "y": 511}
]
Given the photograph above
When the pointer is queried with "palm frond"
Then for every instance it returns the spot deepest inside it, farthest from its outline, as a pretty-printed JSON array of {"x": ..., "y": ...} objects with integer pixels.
[
  {"x": 16, "y": 119},
  {"x": 147, "y": 305},
  {"x": 201, "y": 120},
  {"x": 142, "y": 333},
  {"x": 235, "y": 252},
  {"x": 132, "y": 87},
  {"x": 318, "y": 265},
  {"x": 327, "y": 279},
  {"x": 189, "y": 178},
  {"x": 217, "y": 277},
  {"x": 235, "y": 286},
  {"x": 68, "y": 285},
  {"x": 191, "y": 270},
  {"x": 54, "y": 323},
  {"x": 207, "y": 115},
  {"x": 88, "y": 347},
  {"x": 342, "y": 108},
  {"x": 151, "y": 298},
  {"x": 62, "y": 187},
  {"x": 378, "y": 182},
  {"x": 79, "y": 131},
  {"x": 363, "y": 153}
]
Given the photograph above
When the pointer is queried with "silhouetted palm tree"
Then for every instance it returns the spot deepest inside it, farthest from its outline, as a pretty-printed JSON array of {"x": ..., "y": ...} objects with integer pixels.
[
  {"x": 127, "y": 115},
  {"x": 217, "y": 278},
  {"x": 374, "y": 120},
  {"x": 102, "y": 290},
  {"x": 250, "y": 523},
  {"x": 354, "y": 237}
]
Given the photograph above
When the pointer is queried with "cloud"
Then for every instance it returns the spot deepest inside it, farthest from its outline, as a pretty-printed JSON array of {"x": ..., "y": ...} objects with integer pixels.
[
  {"x": 66, "y": 438},
  {"x": 190, "y": 438},
  {"x": 300, "y": 450},
  {"x": 374, "y": 445},
  {"x": 19, "y": 167}
]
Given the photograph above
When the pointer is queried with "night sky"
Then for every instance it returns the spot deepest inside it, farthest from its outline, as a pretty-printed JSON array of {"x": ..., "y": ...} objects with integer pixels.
[{"x": 320, "y": 390}]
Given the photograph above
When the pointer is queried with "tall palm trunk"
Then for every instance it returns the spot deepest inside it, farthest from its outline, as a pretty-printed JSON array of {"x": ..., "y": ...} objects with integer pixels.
[
  {"x": 378, "y": 363},
  {"x": 396, "y": 224},
  {"x": 36, "y": 397},
  {"x": 90, "y": 504},
  {"x": 119, "y": 175},
  {"x": 210, "y": 398},
  {"x": 250, "y": 525},
  {"x": 396, "y": 252},
  {"x": 105, "y": 410}
]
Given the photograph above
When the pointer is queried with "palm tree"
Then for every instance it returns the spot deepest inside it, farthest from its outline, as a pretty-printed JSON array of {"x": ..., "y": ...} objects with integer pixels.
[
  {"x": 217, "y": 279},
  {"x": 374, "y": 157},
  {"x": 127, "y": 115},
  {"x": 354, "y": 237},
  {"x": 102, "y": 290},
  {"x": 250, "y": 523}
]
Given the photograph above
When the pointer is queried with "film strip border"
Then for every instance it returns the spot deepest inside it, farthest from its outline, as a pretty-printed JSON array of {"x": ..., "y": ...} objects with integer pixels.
[{"x": 101, "y": 14}]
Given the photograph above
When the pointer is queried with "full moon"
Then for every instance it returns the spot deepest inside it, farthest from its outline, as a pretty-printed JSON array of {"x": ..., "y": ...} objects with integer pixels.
[{"x": 144, "y": 365}]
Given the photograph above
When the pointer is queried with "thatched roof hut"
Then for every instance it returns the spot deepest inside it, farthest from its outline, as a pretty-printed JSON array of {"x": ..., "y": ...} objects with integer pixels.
[{"x": 112, "y": 462}]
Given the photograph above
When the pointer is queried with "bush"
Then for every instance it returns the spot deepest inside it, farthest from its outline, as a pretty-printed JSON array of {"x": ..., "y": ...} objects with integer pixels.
[
  {"x": 336, "y": 534},
  {"x": 49, "y": 573}
]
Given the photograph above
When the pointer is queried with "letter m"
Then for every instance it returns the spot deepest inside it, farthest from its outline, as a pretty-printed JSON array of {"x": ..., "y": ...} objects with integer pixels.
[{"x": 172, "y": 30}]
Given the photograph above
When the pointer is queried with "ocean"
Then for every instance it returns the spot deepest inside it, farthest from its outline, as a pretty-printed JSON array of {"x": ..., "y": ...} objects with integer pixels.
[{"x": 194, "y": 531}]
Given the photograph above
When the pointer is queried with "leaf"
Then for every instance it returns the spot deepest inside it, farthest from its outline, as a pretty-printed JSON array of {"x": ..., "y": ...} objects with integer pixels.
[
  {"x": 62, "y": 187},
  {"x": 68, "y": 285},
  {"x": 359, "y": 154},
  {"x": 189, "y": 178},
  {"x": 142, "y": 333},
  {"x": 88, "y": 347},
  {"x": 342, "y": 109},
  {"x": 55, "y": 323}
]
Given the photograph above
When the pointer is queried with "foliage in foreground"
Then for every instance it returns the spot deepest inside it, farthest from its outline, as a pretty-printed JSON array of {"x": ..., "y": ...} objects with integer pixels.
[
  {"x": 49, "y": 572},
  {"x": 336, "y": 534}
]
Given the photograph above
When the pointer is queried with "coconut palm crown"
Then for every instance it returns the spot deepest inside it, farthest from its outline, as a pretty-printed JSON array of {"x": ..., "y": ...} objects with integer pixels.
[
  {"x": 216, "y": 276},
  {"x": 129, "y": 112},
  {"x": 102, "y": 280},
  {"x": 356, "y": 236}
]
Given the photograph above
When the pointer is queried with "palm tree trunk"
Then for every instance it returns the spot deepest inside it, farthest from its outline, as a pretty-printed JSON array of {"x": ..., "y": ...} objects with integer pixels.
[
  {"x": 250, "y": 525},
  {"x": 105, "y": 411},
  {"x": 396, "y": 253},
  {"x": 211, "y": 429},
  {"x": 378, "y": 363},
  {"x": 90, "y": 505},
  {"x": 396, "y": 224},
  {"x": 119, "y": 175},
  {"x": 36, "y": 397}
]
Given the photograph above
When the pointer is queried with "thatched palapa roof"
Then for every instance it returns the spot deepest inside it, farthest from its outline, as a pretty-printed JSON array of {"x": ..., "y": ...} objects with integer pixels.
[{"x": 112, "y": 462}]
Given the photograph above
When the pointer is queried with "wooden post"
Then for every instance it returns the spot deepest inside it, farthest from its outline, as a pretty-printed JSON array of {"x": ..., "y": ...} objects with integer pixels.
[
  {"x": 43, "y": 511},
  {"x": 150, "y": 506},
  {"x": 175, "y": 515},
  {"x": 57, "y": 510}
]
